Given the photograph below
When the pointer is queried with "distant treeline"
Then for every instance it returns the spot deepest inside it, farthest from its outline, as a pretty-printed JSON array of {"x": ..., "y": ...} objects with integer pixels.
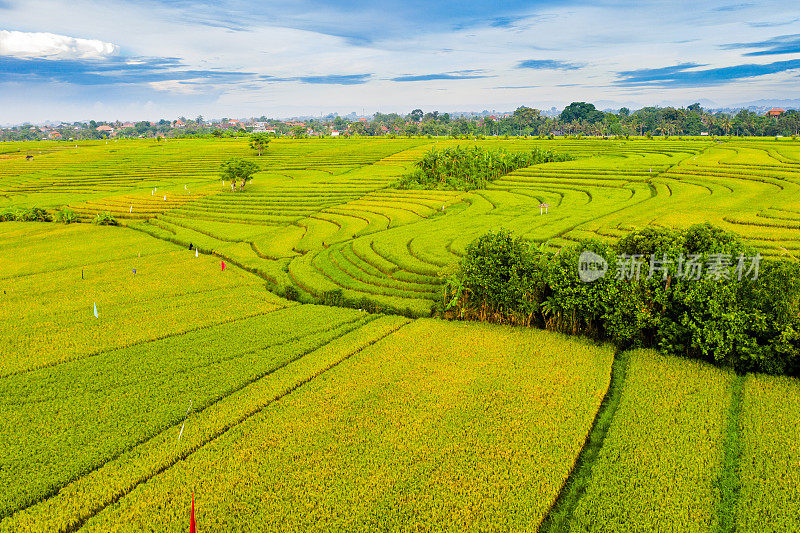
[
  {"x": 701, "y": 302},
  {"x": 465, "y": 169},
  {"x": 578, "y": 118}
]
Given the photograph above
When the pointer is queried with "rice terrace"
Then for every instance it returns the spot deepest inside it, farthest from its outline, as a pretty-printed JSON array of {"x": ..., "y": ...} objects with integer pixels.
[{"x": 309, "y": 349}]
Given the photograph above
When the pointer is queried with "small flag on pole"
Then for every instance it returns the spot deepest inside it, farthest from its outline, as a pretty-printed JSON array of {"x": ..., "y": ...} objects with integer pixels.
[
  {"x": 192, "y": 524},
  {"x": 223, "y": 265},
  {"x": 95, "y": 310}
]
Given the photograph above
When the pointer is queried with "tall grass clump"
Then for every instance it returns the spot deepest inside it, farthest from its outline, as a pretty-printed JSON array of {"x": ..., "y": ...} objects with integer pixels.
[
  {"x": 66, "y": 216},
  {"x": 30, "y": 214},
  {"x": 105, "y": 219}
]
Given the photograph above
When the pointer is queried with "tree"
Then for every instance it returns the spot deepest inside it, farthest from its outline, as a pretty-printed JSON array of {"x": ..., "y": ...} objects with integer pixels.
[
  {"x": 236, "y": 169},
  {"x": 578, "y": 111},
  {"x": 416, "y": 115},
  {"x": 526, "y": 116},
  {"x": 259, "y": 142}
]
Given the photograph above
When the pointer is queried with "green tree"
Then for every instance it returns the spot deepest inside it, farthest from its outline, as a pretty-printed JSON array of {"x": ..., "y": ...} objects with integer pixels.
[
  {"x": 527, "y": 117},
  {"x": 237, "y": 170},
  {"x": 259, "y": 142},
  {"x": 416, "y": 115},
  {"x": 580, "y": 111}
]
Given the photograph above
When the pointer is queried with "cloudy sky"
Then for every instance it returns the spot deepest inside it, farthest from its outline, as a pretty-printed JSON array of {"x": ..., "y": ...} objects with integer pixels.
[{"x": 147, "y": 59}]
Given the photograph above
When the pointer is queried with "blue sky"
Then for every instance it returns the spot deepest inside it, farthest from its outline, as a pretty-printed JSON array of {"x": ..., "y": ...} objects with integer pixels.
[{"x": 147, "y": 59}]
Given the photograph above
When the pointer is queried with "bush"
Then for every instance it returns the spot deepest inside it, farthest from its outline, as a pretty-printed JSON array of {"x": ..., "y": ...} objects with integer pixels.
[
  {"x": 66, "y": 216},
  {"x": 724, "y": 316},
  {"x": 291, "y": 293},
  {"x": 498, "y": 280},
  {"x": 105, "y": 219}
]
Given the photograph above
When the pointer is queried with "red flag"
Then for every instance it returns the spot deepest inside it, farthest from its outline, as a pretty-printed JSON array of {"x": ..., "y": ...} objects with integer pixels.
[
  {"x": 223, "y": 265},
  {"x": 192, "y": 524}
]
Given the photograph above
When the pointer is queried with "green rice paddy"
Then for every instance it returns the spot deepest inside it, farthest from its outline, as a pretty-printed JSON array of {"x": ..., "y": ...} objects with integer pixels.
[{"x": 282, "y": 414}]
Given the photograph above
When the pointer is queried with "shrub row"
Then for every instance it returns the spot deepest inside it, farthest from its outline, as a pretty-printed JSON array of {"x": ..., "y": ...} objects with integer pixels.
[
  {"x": 746, "y": 324},
  {"x": 37, "y": 214},
  {"x": 466, "y": 169}
]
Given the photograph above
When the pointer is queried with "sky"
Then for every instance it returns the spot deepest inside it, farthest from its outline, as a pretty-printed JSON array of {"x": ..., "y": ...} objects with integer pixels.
[{"x": 150, "y": 59}]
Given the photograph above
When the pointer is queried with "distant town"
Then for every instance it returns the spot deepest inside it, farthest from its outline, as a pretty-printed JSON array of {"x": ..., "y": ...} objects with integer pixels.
[{"x": 577, "y": 119}]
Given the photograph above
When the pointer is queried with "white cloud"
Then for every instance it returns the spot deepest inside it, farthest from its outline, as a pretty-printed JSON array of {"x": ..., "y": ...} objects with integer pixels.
[
  {"x": 53, "y": 46},
  {"x": 193, "y": 86}
]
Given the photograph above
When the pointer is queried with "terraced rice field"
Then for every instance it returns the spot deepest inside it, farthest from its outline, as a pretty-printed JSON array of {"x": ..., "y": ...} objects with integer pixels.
[
  {"x": 318, "y": 408},
  {"x": 289, "y": 415},
  {"x": 321, "y": 216}
]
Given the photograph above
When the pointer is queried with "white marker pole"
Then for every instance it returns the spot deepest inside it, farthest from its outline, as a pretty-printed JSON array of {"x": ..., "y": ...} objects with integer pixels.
[
  {"x": 131, "y": 210},
  {"x": 184, "y": 420}
]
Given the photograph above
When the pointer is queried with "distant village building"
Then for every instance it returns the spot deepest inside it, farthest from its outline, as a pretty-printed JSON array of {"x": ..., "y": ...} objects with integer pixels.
[
  {"x": 54, "y": 135},
  {"x": 775, "y": 112},
  {"x": 107, "y": 129}
]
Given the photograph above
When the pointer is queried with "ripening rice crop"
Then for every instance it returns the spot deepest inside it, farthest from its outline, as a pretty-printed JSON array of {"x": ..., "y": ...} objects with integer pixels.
[
  {"x": 661, "y": 459},
  {"x": 439, "y": 425},
  {"x": 49, "y": 309},
  {"x": 769, "y": 468}
]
